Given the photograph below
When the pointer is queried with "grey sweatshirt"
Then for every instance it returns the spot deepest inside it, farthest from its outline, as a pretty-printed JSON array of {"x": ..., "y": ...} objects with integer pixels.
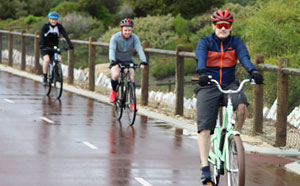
[{"x": 123, "y": 49}]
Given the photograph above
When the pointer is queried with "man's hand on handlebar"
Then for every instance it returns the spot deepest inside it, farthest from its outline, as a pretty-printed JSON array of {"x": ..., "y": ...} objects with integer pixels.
[
  {"x": 203, "y": 78},
  {"x": 258, "y": 78},
  {"x": 142, "y": 64}
]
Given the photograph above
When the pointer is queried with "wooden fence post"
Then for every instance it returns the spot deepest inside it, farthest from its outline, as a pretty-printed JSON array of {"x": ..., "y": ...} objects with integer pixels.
[
  {"x": 23, "y": 51},
  {"x": 92, "y": 49},
  {"x": 145, "y": 77},
  {"x": 71, "y": 63},
  {"x": 258, "y": 99},
  {"x": 10, "y": 49},
  {"x": 37, "y": 66},
  {"x": 179, "y": 84},
  {"x": 1, "y": 47},
  {"x": 282, "y": 103}
]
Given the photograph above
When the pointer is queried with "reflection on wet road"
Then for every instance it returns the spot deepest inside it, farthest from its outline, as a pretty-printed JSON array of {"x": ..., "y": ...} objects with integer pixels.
[{"x": 78, "y": 141}]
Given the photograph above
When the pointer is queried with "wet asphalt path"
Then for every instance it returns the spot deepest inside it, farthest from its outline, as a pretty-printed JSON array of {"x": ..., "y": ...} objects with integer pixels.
[{"x": 77, "y": 141}]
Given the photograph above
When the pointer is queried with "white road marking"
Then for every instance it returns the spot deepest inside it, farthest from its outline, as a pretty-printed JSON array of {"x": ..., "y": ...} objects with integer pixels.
[
  {"x": 47, "y": 120},
  {"x": 9, "y": 101},
  {"x": 89, "y": 145},
  {"x": 142, "y": 181}
]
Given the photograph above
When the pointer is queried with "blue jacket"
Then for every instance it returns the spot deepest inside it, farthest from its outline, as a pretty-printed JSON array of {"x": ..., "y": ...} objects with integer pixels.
[{"x": 219, "y": 58}]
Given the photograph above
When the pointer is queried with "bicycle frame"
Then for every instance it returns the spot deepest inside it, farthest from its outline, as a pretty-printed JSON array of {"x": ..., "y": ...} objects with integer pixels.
[
  {"x": 55, "y": 74},
  {"x": 122, "y": 82}
]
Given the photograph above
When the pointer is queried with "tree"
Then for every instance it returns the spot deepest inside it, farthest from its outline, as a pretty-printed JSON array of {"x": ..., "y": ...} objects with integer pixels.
[
  {"x": 187, "y": 8},
  {"x": 7, "y": 9},
  {"x": 95, "y": 8}
]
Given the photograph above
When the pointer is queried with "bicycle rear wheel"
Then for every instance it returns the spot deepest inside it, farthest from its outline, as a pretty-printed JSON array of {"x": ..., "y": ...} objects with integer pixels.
[
  {"x": 58, "y": 80},
  {"x": 130, "y": 103},
  {"x": 235, "y": 167},
  {"x": 118, "y": 104}
]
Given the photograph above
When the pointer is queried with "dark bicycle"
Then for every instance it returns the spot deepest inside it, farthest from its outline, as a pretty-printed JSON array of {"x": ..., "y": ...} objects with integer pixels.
[
  {"x": 126, "y": 96},
  {"x": 55, "y": 75}
]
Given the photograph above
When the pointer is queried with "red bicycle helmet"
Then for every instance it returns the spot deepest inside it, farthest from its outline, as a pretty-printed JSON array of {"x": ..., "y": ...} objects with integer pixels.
[
  {"x": 222, "y": 15},
  {"x": 126, "y": 22}
]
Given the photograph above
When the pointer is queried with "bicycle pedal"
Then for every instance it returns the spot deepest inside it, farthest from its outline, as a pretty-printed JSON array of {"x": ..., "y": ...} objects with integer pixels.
[{"x": 207, "y": 183}]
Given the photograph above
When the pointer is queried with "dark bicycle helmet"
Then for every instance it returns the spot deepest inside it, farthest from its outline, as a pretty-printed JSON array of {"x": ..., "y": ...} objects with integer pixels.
[
  {"x": 126, "y": 22},
  {"x": 53, "y": 15},
  {"x": 222, "y": 15}
]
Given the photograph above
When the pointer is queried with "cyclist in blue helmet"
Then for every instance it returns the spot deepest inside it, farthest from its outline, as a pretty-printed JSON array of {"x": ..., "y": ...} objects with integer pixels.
[{"x": 49, "y": 37}]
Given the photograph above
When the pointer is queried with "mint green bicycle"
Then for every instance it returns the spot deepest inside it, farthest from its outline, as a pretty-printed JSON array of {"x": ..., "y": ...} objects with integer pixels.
[{"x": 227, "y": 154}]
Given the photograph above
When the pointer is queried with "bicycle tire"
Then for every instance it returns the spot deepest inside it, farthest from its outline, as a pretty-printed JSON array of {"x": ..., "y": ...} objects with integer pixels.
[
  {"x": 235, "y": 175},
  {"x": 48, "y": 87},
  {"x": 118, "y": 104},
  {"x": 58, "y": 80},
  {"x": 130, "y": 100}
]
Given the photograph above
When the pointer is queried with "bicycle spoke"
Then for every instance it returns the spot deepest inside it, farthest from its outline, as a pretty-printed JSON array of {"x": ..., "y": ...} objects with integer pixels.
[
  {"x": 131, "y": 104},
  {"x": 48, "y": 87},
  {"x": 118, "y": 105},
  {"x": 58, "y": 81},
  {"x": 235, "y": 170}
]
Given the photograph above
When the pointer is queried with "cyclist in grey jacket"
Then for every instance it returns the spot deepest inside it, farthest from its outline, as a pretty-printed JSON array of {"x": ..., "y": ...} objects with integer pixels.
[{"x": 121, "y": 50}]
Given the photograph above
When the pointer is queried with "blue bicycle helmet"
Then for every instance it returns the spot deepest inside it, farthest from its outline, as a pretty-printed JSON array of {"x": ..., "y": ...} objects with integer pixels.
[{"x": 53, "y": 15}]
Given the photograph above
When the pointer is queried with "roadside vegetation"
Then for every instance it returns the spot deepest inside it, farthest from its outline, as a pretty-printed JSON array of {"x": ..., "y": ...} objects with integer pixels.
[{"x": 268, "y": 27}]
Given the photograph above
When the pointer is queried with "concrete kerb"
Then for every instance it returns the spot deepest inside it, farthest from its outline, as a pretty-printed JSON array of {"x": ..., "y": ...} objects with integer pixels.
[{"x": 295, "y": 167}]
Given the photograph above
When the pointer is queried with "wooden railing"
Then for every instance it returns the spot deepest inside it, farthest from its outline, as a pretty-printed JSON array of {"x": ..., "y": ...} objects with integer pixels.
[{"x": 282, "y": 70}]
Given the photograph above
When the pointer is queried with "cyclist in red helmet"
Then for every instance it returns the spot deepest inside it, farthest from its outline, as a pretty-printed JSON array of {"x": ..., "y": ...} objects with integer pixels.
[
  {"x": 121, "y": 49},
  {"x": 217, "y": 56}
]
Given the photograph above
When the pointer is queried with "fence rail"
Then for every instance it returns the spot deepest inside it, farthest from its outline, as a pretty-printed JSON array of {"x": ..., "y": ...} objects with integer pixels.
[{"x": 281, "y": 69}]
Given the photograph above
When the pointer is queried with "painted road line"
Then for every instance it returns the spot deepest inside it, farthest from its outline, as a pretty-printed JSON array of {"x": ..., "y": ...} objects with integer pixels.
[
  {"x": 142, "y": 181},
  {"x": 90, "y": 145},
  {"x": 47, "y": 120},
  {"x": 9, "y": 101}
]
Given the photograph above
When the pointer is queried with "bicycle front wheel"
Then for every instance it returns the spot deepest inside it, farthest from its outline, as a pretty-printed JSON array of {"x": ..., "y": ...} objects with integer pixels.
[
  {"x": 58, "y": 81},
  {"x": 214, "y": 170},
  {"x": 49, "y": 85},
  {"x": 118, "y": 104},
  {"x": 235, "y": 167},
  {"x": 131, "y": 103}
]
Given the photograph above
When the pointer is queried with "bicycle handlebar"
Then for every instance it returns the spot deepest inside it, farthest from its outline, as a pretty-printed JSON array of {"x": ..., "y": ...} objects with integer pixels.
[
  {"x": 55, "y": 48},
  {"x": 231, "y": 91},
  {"x": 228, "y": 91},
  {"x": 128, "y": 65}
]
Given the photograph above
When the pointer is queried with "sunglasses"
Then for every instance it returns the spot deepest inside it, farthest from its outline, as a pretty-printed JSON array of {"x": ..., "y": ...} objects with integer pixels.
[{"x": 225, "y": 25}]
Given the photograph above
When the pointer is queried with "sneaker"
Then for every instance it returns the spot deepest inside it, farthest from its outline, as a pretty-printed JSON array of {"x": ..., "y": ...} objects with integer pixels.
[
  {"x": 112, "y": 97},
  {"x": 206, "y": 178},
  {"x": 132, "y": 107},
  {"x": 45, "y": 81}
]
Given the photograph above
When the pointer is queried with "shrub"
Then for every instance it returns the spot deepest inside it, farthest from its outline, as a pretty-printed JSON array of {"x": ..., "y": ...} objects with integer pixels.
[
  {"x": 77, "y": 24},
  {"x": 32, "y": 19},
  {"x": 165, "y": 67},
  {"x": 155, "y": 29},
  {"x": 66, "y": 7},
  {"x": 180, "y": 25}
]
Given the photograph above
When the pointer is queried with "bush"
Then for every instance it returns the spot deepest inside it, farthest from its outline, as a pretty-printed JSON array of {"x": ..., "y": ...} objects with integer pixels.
[
  {"x": 155, "y": 29},
  {"x": 164, "y": 67},
  {"x": 66, "y": 7},
  {"x": 180, "y": 25},
  {"x": 32, "y": 19},
  {"x": 77, "y": 24}
]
